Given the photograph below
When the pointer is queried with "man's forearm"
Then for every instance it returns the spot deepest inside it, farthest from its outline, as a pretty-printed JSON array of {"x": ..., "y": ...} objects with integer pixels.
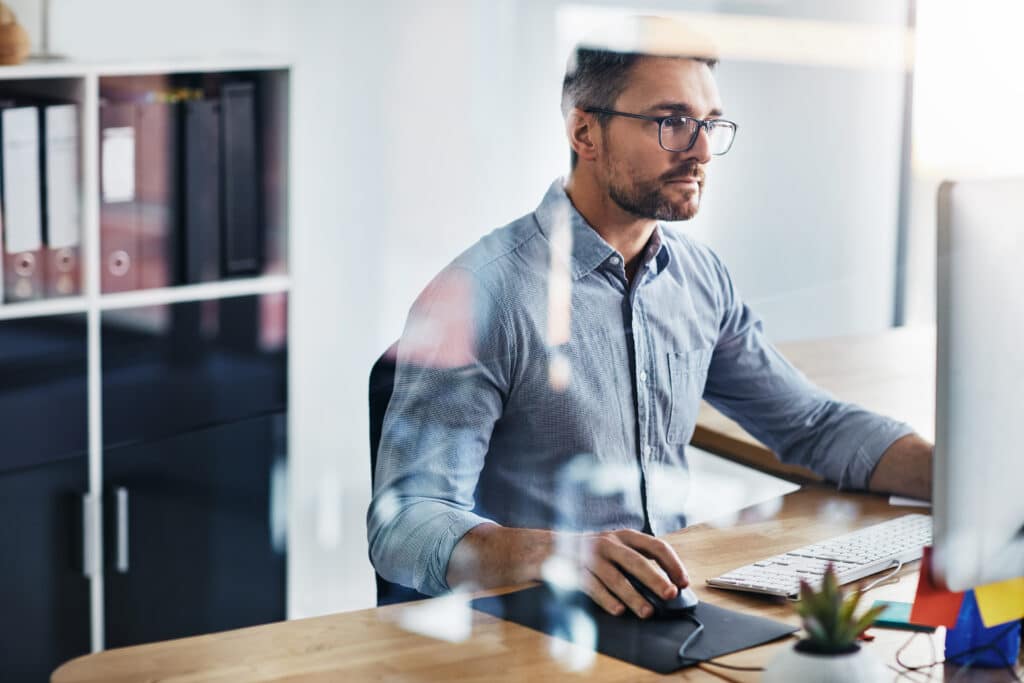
[
  {"x": 490, "y": 556},
  {"x": 905, "y": 468}
]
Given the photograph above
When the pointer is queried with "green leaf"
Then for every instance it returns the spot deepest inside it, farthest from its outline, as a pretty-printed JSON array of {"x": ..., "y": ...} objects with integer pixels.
[
  {"x": 816, "y": 632},
  {"x": 845, "y": 631},
  {"x": 808, "y": 600},
  {"x": 867, "y": 619},
  {"x": 834, "y": 600},
  {"x": 830, "y": 586},
  {"x": 849, "y": 607},
  {"x": 829, "y": 614}
]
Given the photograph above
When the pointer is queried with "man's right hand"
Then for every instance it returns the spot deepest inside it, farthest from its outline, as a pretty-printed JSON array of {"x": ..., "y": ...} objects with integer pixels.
[
  {"x": 604, "y": 558},
  {"x": 490, "y": 556}
]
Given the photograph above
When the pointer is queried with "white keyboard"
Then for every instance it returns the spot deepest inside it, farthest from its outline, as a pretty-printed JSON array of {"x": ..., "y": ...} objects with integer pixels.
[{"x": 854, "y": 555}]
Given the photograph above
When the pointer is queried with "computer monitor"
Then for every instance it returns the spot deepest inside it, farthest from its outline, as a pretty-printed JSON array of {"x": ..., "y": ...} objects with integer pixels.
[{"x": 978, "y": 505}]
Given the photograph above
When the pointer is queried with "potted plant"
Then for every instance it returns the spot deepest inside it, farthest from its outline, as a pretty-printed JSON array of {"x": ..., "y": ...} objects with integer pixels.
[{"x": 830, "y": 652}]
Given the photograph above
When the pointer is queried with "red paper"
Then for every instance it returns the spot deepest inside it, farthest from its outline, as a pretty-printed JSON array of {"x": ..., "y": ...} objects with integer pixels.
[{"x": 934, "y": 606}]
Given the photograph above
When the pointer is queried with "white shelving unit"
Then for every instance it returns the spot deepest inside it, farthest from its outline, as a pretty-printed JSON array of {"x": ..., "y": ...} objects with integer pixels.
[
  {"x": 36, "y": 309},
  {"x": 81, "y": 82}
]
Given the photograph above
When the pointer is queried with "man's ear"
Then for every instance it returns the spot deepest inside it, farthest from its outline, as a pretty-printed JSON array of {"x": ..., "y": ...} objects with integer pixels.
[{"x": 584, "y": 133}]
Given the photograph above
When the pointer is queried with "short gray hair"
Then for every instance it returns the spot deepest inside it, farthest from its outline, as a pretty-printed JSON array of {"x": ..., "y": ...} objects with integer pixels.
[{"x": 596, "y": 76}]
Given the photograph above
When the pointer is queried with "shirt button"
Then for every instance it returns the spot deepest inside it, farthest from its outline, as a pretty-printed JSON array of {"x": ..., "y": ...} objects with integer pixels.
[
  {"x": 643, "y": 376},
  {"x": 647, "y": 450},
  {"x": 614, "y": 260}
]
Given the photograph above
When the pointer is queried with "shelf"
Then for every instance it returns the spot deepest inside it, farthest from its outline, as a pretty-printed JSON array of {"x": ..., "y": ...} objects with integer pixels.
[
  {"x": 249, "y": 327},
  {"x": 268, "y": 284},
  {"x": 71, "y": 68},
  {"x": 35, "y": 309}
]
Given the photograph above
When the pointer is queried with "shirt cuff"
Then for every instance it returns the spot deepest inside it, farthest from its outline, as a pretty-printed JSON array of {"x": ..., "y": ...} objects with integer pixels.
[
  {"x": 858, "y": 472},
  {"x": 434, "y": 581}
]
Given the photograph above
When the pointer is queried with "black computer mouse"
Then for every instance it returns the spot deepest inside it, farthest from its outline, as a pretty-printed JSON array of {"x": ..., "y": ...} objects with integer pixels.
[{"x": 683, "y": 603}]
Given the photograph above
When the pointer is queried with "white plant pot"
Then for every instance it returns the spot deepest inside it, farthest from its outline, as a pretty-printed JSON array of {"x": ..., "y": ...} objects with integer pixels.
[{"x": 794, "y": 666}]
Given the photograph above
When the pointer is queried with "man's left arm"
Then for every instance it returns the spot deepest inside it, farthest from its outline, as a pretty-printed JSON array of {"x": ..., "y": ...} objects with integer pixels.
[
  {"x": 752, "y": 383},
  {"x": 905, "y": 469}
]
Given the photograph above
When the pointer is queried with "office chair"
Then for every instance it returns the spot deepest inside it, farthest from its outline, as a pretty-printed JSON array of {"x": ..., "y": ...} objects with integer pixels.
[{"x": 382, "y": 384}]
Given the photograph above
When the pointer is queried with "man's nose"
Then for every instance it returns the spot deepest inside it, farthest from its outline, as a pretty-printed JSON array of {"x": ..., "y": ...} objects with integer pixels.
[{"x": 701, "y": 150}]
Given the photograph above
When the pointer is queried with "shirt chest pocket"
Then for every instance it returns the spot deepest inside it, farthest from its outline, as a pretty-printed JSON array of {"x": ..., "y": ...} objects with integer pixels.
[{"x": 688, "y": 371}]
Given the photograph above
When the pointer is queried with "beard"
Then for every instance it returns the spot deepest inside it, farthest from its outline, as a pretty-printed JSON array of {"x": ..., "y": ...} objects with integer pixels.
[{"x": 647, "y": 198}]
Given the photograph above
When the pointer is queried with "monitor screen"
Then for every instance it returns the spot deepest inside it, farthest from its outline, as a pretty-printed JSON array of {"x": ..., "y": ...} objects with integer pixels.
[{"x": 979, "y": 445}]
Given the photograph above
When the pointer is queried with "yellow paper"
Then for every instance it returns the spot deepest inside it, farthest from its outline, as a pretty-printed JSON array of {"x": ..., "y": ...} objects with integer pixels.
[{"x": 1000, "y": 603}]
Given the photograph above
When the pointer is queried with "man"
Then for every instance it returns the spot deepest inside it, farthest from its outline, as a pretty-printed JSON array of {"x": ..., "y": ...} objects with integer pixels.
[{"x": 588, "y": 332}]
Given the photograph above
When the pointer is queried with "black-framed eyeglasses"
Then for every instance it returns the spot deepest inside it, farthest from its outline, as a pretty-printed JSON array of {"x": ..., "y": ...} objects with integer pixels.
[{"x": 678, "y": 133}]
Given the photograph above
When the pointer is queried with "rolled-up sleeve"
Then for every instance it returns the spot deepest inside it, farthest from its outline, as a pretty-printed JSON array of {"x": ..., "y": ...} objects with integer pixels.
[
  {"x": 752, "y": 383},
  {"x": 450, "y": 384}
]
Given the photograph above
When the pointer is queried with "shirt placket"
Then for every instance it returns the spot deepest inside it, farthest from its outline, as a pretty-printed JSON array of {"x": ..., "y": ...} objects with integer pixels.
[{"x": 641, "y": 380}]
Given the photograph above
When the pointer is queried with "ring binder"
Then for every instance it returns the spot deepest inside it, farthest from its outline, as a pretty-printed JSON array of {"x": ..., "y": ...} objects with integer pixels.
[
  {"x": 21, "y": 202},
  {"x": 201, "y": 165},
  {"x": 118, "y": 211},
  {"x": 62, "y": 200}
]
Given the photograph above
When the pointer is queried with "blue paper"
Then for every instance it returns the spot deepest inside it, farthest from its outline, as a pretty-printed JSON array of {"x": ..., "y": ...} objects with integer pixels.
[{"x": 970, "y": 643}]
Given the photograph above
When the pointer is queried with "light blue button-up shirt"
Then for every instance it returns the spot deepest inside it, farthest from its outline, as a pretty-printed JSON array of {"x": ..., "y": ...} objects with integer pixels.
[{"x": 537, "y": 388}]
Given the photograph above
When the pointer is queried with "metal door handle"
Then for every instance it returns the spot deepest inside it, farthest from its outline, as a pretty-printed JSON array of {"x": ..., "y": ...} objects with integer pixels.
[
  {"x": 121, "y": 496},
  {"x": 88, "y": 542}
]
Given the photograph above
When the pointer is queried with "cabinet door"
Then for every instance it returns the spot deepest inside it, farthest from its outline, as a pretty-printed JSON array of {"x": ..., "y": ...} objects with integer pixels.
[
  {"x": 170, "y": 370},
  {"x": 44, "y": 597},
  {"x": 194, "y": 532}
]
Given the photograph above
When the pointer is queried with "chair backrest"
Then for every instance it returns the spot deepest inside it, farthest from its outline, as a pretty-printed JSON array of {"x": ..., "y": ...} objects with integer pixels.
[{"x": 382, "y": 385}]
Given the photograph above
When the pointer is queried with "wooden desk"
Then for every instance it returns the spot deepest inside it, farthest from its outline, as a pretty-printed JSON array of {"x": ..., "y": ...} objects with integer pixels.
[
  {"x": 373, "y": 644},
  {"x": 890, "y": 373}
]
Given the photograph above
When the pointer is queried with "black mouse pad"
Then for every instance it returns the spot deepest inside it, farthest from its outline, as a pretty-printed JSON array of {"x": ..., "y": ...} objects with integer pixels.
[{"x": 651, "y": 643}]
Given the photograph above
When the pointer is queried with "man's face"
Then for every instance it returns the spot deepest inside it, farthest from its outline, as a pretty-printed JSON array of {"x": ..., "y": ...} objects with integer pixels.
[{"x": 642, "y": 178}]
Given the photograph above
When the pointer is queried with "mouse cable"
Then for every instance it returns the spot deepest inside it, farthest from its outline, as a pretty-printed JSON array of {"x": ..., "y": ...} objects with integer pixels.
[
  {"x": 694, "y": 660},
  {"x": 693, "y": 636}
]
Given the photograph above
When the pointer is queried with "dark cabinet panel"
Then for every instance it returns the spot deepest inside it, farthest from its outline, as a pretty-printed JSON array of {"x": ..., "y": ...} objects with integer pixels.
[
  {"x": 196, "y": 548},
  {"x": 194, "y": 398},
  {"x": 168, "y": 370},
  {"x": 44, "y": 597},
  {"x": 43, "y": 390}
]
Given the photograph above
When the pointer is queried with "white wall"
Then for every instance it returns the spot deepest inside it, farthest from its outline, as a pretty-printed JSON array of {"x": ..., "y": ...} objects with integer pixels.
[
  {"x": 417, "y": 127},
  {"x": 978, "y": 74}
]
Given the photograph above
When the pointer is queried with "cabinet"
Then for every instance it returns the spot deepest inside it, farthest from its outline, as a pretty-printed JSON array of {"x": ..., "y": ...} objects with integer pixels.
[
  {"x": 45, "y": 615},
  {"x": 144, "y": 464},
  {"x": 192, "y": 543},
  {"x": 44, "y": 475}
]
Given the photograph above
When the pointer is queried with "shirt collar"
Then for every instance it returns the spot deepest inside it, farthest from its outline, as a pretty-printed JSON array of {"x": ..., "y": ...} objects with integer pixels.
[
  {"x": 589, "y": 250},
  {"x": 656, "y": 256}
]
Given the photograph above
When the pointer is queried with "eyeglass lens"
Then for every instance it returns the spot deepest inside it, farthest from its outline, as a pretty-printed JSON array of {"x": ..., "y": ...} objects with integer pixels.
[{"x": 679, "y": 134}]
